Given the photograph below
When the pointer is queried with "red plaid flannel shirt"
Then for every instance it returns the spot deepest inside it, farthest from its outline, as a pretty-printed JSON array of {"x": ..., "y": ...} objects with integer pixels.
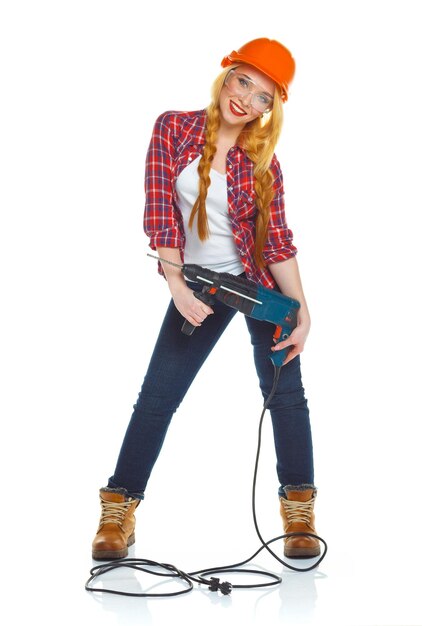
[{"x": 177, "y": 139}]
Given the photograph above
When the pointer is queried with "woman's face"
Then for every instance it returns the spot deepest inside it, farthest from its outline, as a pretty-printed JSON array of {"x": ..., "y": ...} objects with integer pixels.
[{"x": 239, "y": 98}]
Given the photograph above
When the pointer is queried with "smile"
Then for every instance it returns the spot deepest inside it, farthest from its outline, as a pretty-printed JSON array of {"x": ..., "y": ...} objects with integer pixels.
[{"x": 236, "y": 110}]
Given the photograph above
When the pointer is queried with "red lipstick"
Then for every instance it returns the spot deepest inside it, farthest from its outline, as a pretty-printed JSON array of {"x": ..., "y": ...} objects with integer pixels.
[{"x": 236, "y": 109}]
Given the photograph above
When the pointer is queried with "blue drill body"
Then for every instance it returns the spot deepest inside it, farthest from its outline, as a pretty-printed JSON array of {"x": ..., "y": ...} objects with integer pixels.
[{"x": 281, "y": 311}]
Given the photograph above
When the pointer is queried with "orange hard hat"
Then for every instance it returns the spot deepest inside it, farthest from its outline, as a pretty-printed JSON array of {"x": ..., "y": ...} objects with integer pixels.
[{"x": 268, "y": 56}]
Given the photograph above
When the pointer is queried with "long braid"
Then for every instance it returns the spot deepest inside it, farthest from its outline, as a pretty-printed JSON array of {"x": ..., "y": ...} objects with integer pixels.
[
  {"x": 259, "y": 142},
  {"x": 264, "y": 195},
  {"x": 204, "y": 166}
]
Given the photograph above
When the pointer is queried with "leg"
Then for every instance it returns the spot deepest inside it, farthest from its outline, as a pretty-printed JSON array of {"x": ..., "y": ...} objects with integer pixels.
[
  {"x": 293, "y": 443},
  {"x": 175, "y": 362},
  {"x": 288, "y": 408}
]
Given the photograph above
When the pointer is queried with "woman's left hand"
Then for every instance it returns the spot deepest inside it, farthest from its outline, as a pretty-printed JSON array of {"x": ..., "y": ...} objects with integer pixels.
[{"x": 296, "y": 340}]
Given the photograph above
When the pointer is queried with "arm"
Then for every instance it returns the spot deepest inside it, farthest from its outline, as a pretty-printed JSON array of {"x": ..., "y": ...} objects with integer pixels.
[
  {"x": 287, "y": 276},
  {"x": 185, "y": 302},
  {"x": 280, "y": 256},
  {"x": 160, "y": 222}
]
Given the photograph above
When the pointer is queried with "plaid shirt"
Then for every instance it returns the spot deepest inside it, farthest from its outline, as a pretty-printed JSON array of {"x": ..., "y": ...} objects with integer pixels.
[{"x": 177, "y": 139}]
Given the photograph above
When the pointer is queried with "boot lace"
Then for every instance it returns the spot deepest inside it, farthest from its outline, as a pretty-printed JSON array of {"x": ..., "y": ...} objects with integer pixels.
[
  {"x": 114, "y": 512},
  {"x": 299, "y": 511}
]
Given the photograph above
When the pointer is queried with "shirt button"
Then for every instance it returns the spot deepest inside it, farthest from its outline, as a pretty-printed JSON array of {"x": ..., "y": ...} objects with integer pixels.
[
  {"x": 230, "y": 166},
  {"x": 230, "y": 188}
]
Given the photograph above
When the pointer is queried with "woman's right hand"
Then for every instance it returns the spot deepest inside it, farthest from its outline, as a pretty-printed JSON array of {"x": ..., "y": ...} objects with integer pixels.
[{"x": 192, "y": 309}]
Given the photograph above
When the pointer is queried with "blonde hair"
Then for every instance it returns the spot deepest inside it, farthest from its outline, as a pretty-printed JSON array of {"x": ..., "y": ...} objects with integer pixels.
[{"x": 258, "y": 138}]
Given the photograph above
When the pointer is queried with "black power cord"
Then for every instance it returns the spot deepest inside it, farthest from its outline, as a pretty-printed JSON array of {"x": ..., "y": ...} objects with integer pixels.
[{"x": 199, "y": 576}]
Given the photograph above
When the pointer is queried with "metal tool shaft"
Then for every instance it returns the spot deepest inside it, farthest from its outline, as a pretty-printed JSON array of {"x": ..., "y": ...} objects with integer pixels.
[{"x": 165, "y": 260}]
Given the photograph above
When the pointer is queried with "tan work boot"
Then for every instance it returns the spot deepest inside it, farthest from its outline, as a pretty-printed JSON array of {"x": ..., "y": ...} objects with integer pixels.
[
  {"x": 116, "y": 531},
  {"x": 297, "y": 512}
]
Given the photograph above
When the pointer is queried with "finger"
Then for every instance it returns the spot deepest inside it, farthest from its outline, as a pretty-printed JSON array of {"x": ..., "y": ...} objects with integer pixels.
[
  {"x": 291, "y": 355},
  {"x": 282, "y": 344},
  {"x": 199, "y": 316},
  {"x": 195, "y": 317},
  {"x": 204, "y": 312},
  {"x": 288, "y": 359}
]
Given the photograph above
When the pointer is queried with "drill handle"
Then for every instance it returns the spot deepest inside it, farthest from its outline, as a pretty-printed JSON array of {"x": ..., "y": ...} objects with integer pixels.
[
  {"x": 280, "y": 356},
  {"x": 204, "y": 296},
  {"x": 188, "y": 328}
]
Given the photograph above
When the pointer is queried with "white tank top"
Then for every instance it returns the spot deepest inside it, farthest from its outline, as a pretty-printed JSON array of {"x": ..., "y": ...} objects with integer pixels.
[{"x": 218, "y": 252}]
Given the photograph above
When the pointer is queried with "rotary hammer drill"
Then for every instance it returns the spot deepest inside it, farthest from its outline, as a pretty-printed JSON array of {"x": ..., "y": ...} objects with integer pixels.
[{"x": 247, "y": 297}]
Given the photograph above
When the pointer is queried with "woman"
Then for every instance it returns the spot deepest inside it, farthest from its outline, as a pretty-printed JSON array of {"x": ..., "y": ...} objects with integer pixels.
[{"x": 214, "y": 196}]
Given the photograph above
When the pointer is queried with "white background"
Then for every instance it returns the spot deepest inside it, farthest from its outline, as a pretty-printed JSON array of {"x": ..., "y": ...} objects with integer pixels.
[{"x": 82, "y": 83}]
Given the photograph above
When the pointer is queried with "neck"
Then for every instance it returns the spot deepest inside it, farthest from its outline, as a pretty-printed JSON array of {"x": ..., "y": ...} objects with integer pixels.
[{"x": 228, "y": 133}]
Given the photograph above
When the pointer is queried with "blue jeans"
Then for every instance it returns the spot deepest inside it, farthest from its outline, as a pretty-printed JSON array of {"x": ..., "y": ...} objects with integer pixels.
[{"x": 175, "y": 361}]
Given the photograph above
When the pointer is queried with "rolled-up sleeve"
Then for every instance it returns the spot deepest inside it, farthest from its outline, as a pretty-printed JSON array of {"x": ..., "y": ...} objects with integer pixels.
[
  {"x": 160, "y": 221},
  {"x": 279, "y": 245}
]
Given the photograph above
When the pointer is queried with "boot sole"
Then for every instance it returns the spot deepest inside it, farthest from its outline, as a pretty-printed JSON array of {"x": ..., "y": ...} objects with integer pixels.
[
  {"x": 302, "y": 553},
  {"x": 107, "y": 555}
]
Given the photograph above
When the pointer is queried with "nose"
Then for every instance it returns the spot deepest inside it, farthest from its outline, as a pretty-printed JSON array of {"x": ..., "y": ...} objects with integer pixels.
[{"x": 247, "y": 98}]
